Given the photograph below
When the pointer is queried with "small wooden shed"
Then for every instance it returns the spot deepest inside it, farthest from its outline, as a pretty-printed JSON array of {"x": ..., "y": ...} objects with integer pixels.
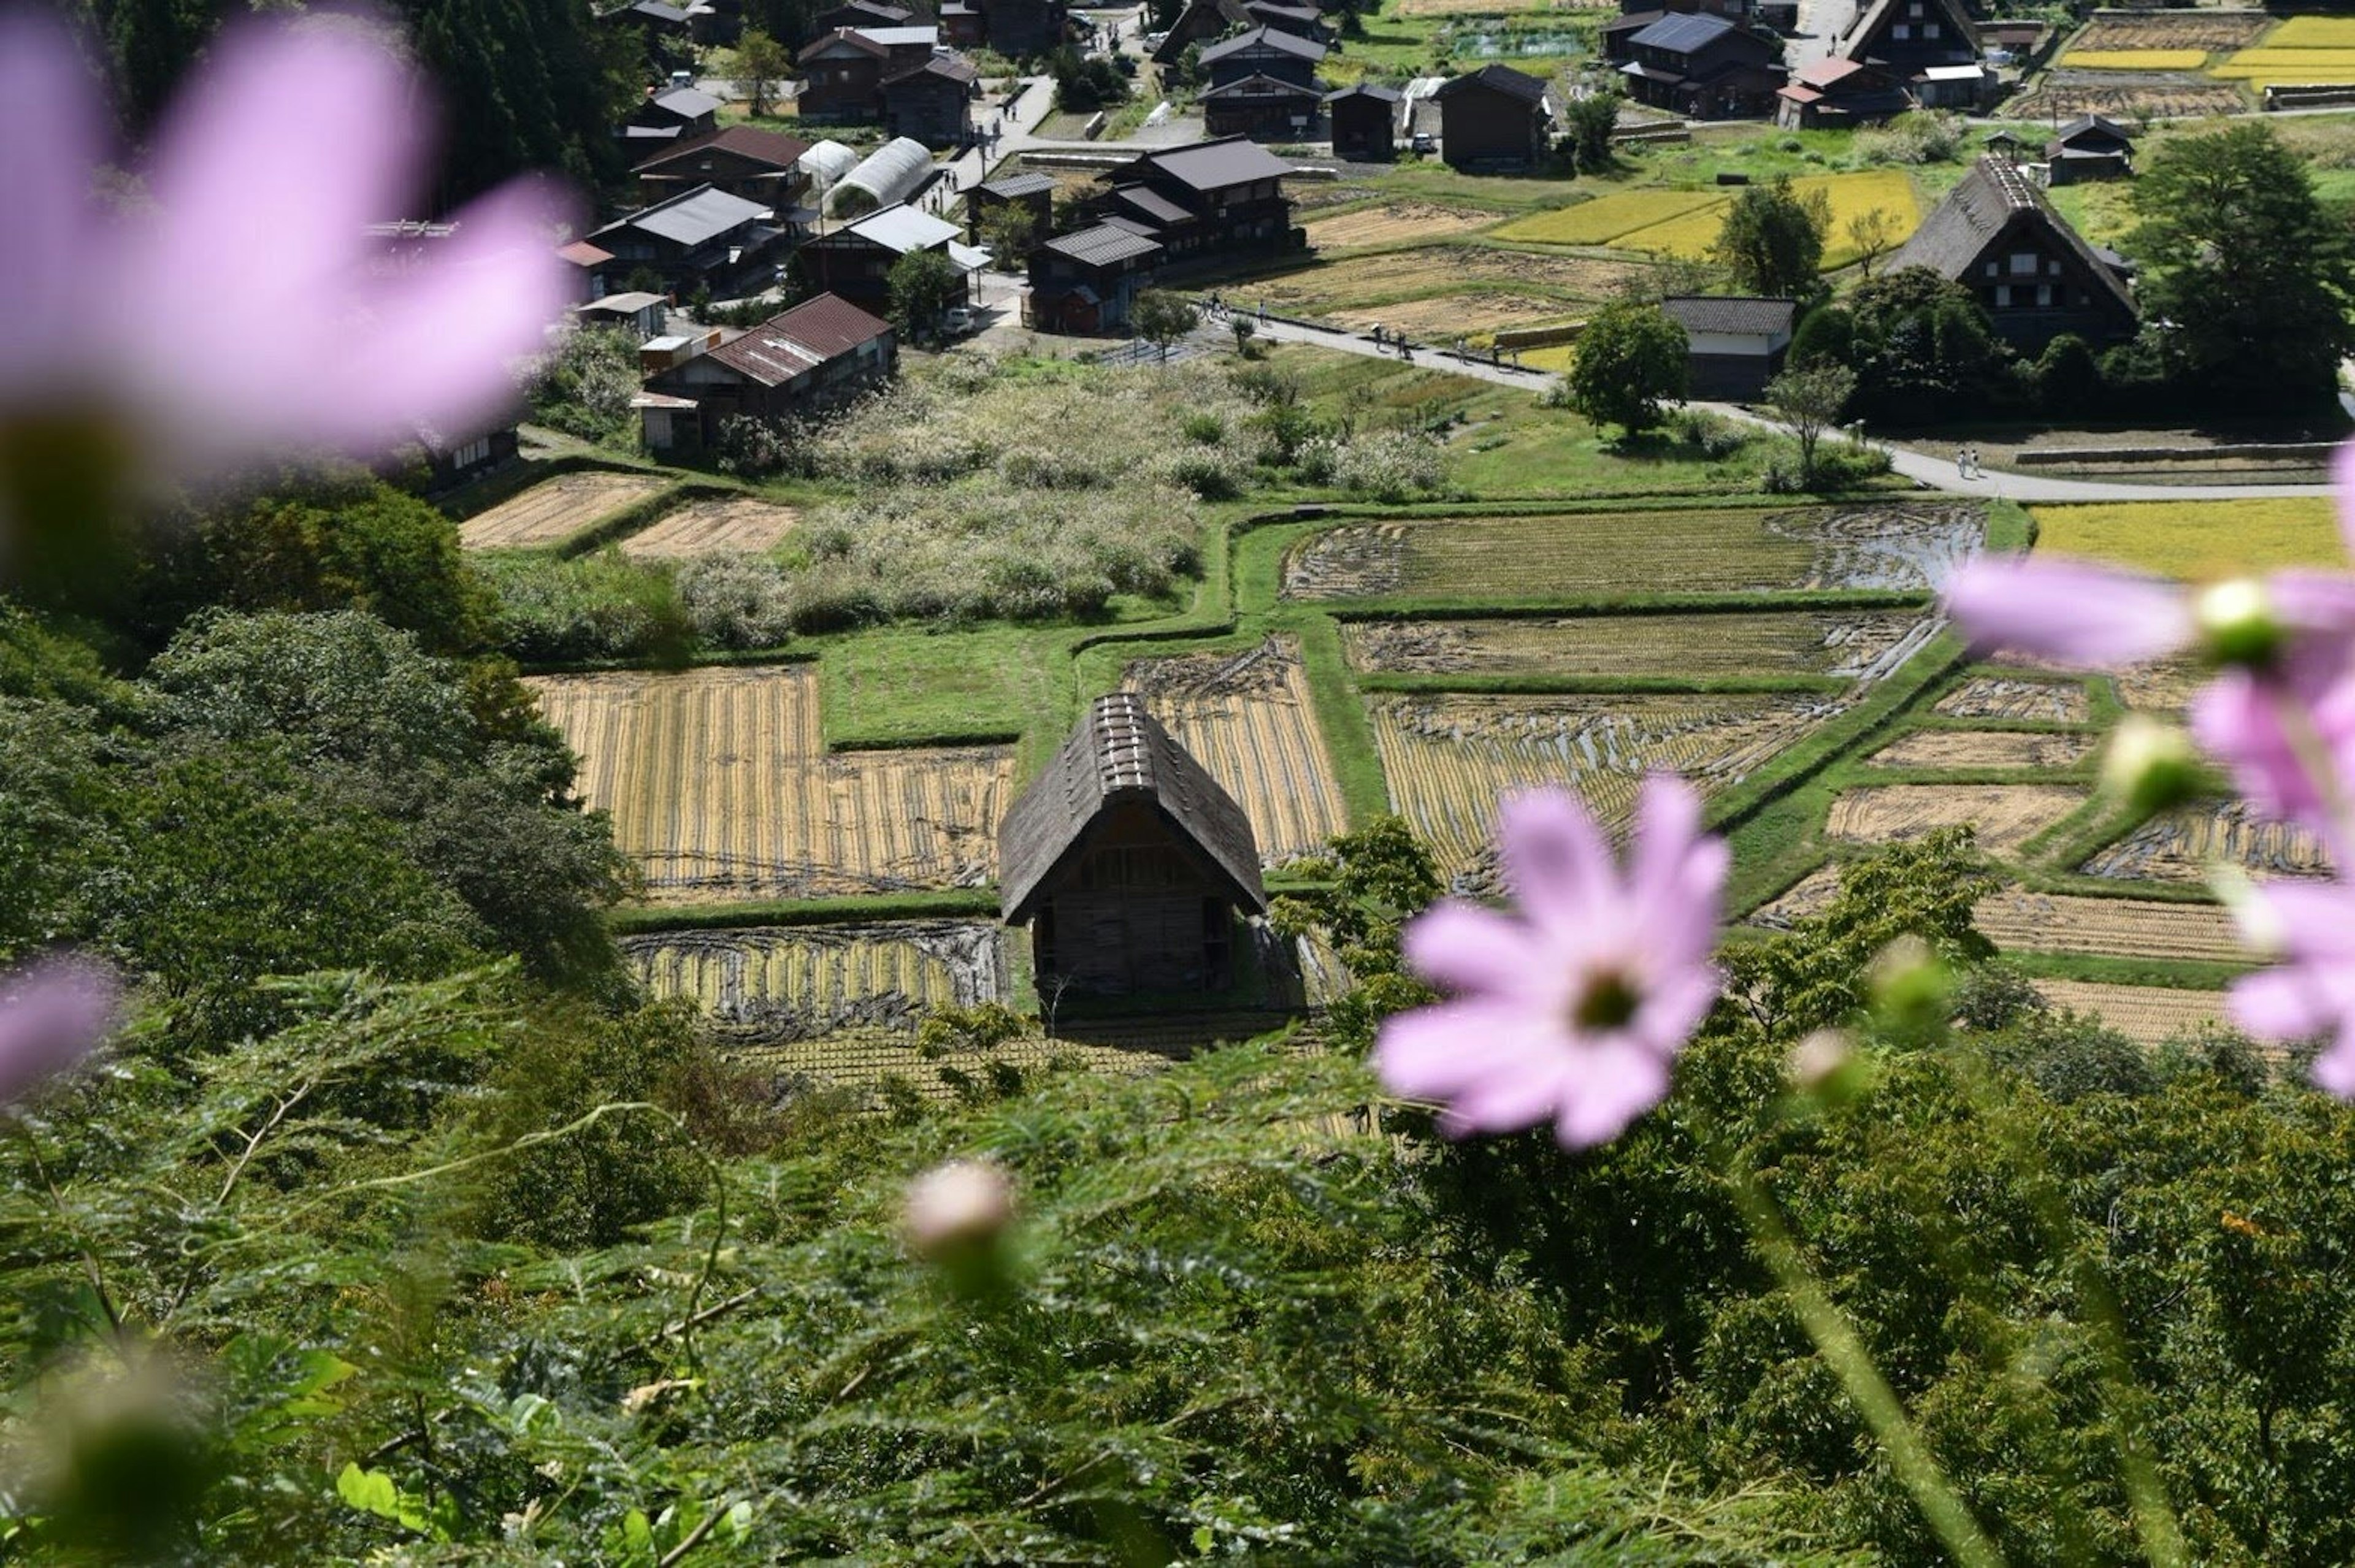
[{"x": 1128, "y": 862}]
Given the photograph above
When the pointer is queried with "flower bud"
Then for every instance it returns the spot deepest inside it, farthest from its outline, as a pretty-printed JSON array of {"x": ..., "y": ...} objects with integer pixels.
[
  {"x": 2149, "y": 766},
  {"x": 957, "y": 1208},
  {"x": 1909, "y": 986},
  {"x": 2237, "y": 625}
]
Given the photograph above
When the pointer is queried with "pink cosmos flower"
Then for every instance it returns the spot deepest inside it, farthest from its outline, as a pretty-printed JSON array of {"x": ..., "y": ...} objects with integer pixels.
[
  {"x": 2312, "y": 993},
  {"x": 51, "y": 1015},
  {"x": 239, "y": 306},
  {"x": 1573, "y": 1010}
]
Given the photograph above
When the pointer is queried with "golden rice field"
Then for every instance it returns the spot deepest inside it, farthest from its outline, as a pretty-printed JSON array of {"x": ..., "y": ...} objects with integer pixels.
[
  {"x": 2180, "y": 844},
  {"x": 1605, "y": 217},
  {"x": 2196, "y": 540},
  {"x": 1393, "y": 223},
  {"x": 2269, "y": 65},
  {"x": 2135, "y": 59},
  {"x": 1686, "y": 222},
  {"x": 721, "y": 787},
  {"x": 555, "y": 509},
  {"x": 1960, "y": 748},
  {"x": 736, "y": 524},
  {"x": 1474, "y": 7},
  {"x": 1863, "y": 644},
  {"x": 791, "y": 982},
  {"x": 2149, "y": 1014},
  {"x": 2314, "y": 33},
  {"x": 2011, "y": 696},
  {"x": 1904, "y": 545},
  {"x": 2006, "y": 816},
  {"x": 1448, "y": 757},
  {"x": 2028, "y": 922},
  {"x": 1249, "y": 719}
]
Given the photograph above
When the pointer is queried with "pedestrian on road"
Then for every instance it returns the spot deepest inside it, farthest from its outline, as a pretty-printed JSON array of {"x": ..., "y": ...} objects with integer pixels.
[
  {"x": 1262, "y": 310},
  {"x": 1962, "y": 462},
  {"x": 1977, "y": 472}
]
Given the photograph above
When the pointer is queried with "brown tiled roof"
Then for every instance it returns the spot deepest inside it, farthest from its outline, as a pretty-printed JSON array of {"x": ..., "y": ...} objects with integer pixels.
[
  {"x": 744, "y": 141},
  {"x": 803, "y": 338}
]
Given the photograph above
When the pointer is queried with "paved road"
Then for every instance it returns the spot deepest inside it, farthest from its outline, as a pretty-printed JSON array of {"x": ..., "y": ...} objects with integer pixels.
[{"x": 1352, "y": 342}]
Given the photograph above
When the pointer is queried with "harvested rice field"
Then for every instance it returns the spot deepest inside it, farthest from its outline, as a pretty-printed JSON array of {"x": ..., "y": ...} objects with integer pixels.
[
  {"x": 1448, "y": 757},
  {"x": 731, "y": 526},
  {"x": 721, "y": 788},
  {"x": 1250, "y": 719},
  {"x": 2013, "y": 696},
  {"x": 1807, "y": 897},
  {"x": 1605, "y": 217},
  {"x": 1960, "y": 748},
  {"x": 1394, "y": 223},
  {"x": 1441, "y": 318},
  {"x": 1898, "y": 546},
  {"x": 2162, "y": 686},
  {"x": 2006, "y": 816},
  {"x": 1359, "y": 288},
  {"x": 555, "y": 509},
  {"x": 2134, "y": 59},
  {"x": 862, "y": 1060},
  {"x": 1865, "y": 643},
  {"x": 768, "y": 984},
  {"x": 2160, "y": 97},
  {"x": 2204, "y": 31},
  {"x": 2028, "y": 922},
  {"x": 2149, "y": 1015},
  {"x": 2179, "y": 846}
]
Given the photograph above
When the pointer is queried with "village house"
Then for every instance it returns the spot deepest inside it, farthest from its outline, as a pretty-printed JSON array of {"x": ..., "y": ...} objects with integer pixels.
[
  {"x": 1203, "y": 22},
  {"x": 1085, "y": 282},
  {"x": 1996, "y": 234},
  {"x": 858, "y": 14},
  {"x": 742, "y": 160},
  {"x": 702, "y": 238},
  {"x": 815, "y": 357},
  {"x": 1495, "y": 118},
  {"x": 638, "y": 313},
  {"x": 1035, "y": 194},
  {"x": 1264, "y": 51},
  {"x": 1704, "y": 68},
  {"x": 1838, "y": 95},
  {"x": 1306, "y": 21},
  {"x": 1262, "y": 108},
  {"x": 1930, "y": 47},
  {"x": 679, "y": 112},
  {"x": 1025, "y": 30},
  {"x": 843, "y": 72},
  {"x": 2089, "y": 147},
  {"x": 1364, "y": 122},
  {"x": 1736, "y": 344},
  {"x": 584, "y": 266},
  {"x": 856, "y": 261},
  {"x": 1635, "y": 16},
  {"x": 932, "y": 100},
  {"x": 1128, "y": 862},
  {"x": 1217, "y": 200},
  {"x": 451, "y": 461}
]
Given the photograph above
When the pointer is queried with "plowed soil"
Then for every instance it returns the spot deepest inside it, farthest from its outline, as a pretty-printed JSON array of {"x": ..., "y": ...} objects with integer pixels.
[
  {"x": 738, "y": 525},
  {"x": 555, "y": 510},
  {"x": 2119, "y": 928},
  {"x": 1961, "y": 749}
]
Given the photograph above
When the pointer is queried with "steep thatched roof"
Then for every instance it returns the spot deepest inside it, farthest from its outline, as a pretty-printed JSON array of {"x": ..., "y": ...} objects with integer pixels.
[
  {"x": 1120, "y": 755},
  {"x": 1994, "y": 202}
]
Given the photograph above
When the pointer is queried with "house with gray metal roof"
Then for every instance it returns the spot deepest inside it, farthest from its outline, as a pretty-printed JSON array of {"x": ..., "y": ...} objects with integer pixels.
[
  {"x": 815, "y": 357},
  {"x": 1996, "y": 235},
  {"x": 856, "y": 260},
  {"x": 1085, "y": 282},
  {"x": 702, "y": 238},
  {"x": 1212, "y": 200},
  {"x": 1263, "y": 51},
  {"x": 1703, "y": 67}
]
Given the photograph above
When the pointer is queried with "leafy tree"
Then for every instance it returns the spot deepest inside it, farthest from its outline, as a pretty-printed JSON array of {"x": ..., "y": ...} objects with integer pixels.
[
  {"x": 1161, "y": 318},
  {"x": 1630, "y": 359},
  {"x": 583, "y": 387},
  {"x": 1587, "y": 124},
  {"x": 1772, "y": 240},
  {"x": 1244, "y": 329},
  {"x": 1809, "y": 402},
  {"x": 1378, "y": 878},
  {"x": 1082, "y": 83},
  {"x": 2068, "y": 377},
  {"x": 1008, "y": 229},
  {"x": 1922, "y": 348},
  {"x": 1826, "y": 334},
  {"x": 2245, "y": 282},
  {"x": 1871, "y": 235},
  {"x": 762, "y": 63},
  {"x": 923, "y": 284}
]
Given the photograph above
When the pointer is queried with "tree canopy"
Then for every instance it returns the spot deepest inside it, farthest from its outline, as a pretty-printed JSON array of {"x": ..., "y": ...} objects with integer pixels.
[
  {"x": 1772, "y": 240},
  {"x": 1630, "y": 359}
]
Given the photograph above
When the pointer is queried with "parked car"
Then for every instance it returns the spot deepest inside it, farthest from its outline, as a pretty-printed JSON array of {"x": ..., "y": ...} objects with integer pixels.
[
  {"x": 957, "y": 320},
  {"x": 1424, "y": 141}
]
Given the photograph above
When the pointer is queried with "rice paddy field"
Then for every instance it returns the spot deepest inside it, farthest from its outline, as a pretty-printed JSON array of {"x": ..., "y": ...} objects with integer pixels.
[
  {"x": 1802, "y": 900},
  {"x": 1249, "y": 717},
  {"x": 730, "y": 525},
  {"x": 2196, "y": 31},
  {"x": 555, "y": 510},
  {"x": 2182, "y": 845},
  {"x": 2027, "y": 921},
  {"x": 2135, "y": 59},
  {"x": 2015, "y": 696},
  {"x": 783, "y": 983},
  {"x": 2006, "y": 816},
  {"x": 1684, "y": 223},
  {"x": 1863, "y": 644},
  {"x": 2197, "y": 539},
  {"x": 1448, "y": 757},
  {"x": 721, "y": 788},
  {"x": 2149, "y": 1015},
  {"x": 1897, "y": 546},
  {"x": 2162, "y": 686},
  {"x": 1393, "y": 223},
  {"x": 1960, "y": 749}
]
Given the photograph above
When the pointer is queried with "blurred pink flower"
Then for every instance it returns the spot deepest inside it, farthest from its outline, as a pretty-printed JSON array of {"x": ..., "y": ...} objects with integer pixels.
[
  {"x": 51, "y": 1015},
  {"x": 2312, "y": 993},
  {"x": 1573, "y": 1010},
  {"x": 243, "y": 308}
]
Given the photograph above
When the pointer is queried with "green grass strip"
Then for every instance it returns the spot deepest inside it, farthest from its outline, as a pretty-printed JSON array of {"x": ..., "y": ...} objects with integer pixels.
[{"x": 638, "y": 918}]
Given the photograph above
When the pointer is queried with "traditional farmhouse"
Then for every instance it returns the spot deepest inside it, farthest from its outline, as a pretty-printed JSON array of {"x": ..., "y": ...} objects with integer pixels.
[
  {"x": 1495, "y": 118},
  {"x": 744, "y": 161},
  {"x": 1635, "y": 16},
  {"x": 1128, "y": 862},
  {"x": 1995, "y": 235},
  {"x": 1021, "y": 29},
  {"x": 813, "y": 356},
  {"x": 1085, "y": 282},
  {"x": 640, "y": 314},
  {"x": 1214, "y": 200},
  {"x": 1704, "y": 68},
  {"x": 2089, "y": 147},
  {"x": 1837, "y": 94},
  {"x": 861, "y": 14},
  {"x": 1203, "y": 22},
  {"x": 1264, "y": 51},
  {"x": 1306, "y": 21},
  {"x": 856, "y": 260},
  {"x": 1365, "y": 122},
  {"x": 931, "y": 101},
  {"x": 1263, "y": 108},
  {"x": 844, "y": 70},
  {"x": 1736, "y": 343},
  {"x": 1035, "y": 194},
  {"x": 1931, "y": 47},
  {"x": 702, "y": 238}
]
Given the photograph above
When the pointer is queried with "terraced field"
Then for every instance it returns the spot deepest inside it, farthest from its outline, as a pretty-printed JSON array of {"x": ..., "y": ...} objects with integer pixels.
[
  {"x": 1901, "y": 546},
  {"x": 2152, "y": 1015},
  {"x": 1250, "y": 719},
  {"x": 1686, "y": 223},
  {"x": 721, "y": 788},
  {"x": 770, "y": 984},
  {"x": 555, "y": 509},
  {"x": 1866, "y": 644},
  {"x": 732, "y": 526},
  {"x": 1449, "y": 756},
  {"x": 1961, "y": 749},
  {"x": 2162, "y": 686},
  {"x": 2006, "y": 816},
  {"x": 1807, "y": 897},
  {"x": 2179, "y": 846},
  {"x": 1394, "y": 222},
  {"x": 2013, "y": 696},
  {"x": 2204, "y": 31},
  {"x": 2119, "y": 928}
]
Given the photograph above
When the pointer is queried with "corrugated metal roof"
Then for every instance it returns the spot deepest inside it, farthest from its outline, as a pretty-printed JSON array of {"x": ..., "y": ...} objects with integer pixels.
[
  {"x": 800, "y": 340},
  {"x": 904, "y": 229},
  {"x": 1152, "y": 204},
  {"x": 692, "y": 218},
  {"x": 1212, "y": 165},
  {"x": 1498, "y": 78},
  {"x": 687, "y": 102},
  {"x": 1364, "y": 90},
  {"x": 1684, "y": 33},
  {"x": 1014, "y": 186},
  {"x": 744, "y": 141},
  {"x": 1266, "y": 38},
  {"x": 1102, "y": 244}
]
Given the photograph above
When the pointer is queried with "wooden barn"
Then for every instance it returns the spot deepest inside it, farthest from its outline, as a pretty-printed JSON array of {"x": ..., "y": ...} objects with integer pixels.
[{"x": 1128, "y": 862}]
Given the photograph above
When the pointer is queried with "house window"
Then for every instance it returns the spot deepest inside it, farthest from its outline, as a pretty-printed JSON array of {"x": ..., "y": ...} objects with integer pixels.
[
  {"x": 1904, "y": 31},
  {"x": 1914, "y": 9},
  {"x": 2003, "y": 296},
  {"x": 473, "y": 452},
  {"x": 2023, "y": 263},
  {"x": 1930, "y": 29},
  {"x": 2044, "y": 294}
]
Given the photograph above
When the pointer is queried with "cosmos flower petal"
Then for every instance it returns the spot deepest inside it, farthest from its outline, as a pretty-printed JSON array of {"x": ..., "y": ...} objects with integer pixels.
[
  {"x": 1554, "y": 858},
  {"x": 2074, "y": 612},
  {"x": 1435, "y": 1052},
  {"x": 2281, "y": 1004},
  {"x": 2342, "y": 483},
  {"x": 2237, "y": 718},
  {"x": 52, "y": 139},
  {"x": 2334, "y": 1069},
  {"x": 2311, "y": 920},
  {"x": 1508, "y": 1102},
  {"x": 51, "y": 1015},
  {"x": 1674, "y": 1006},
  {"x": 2320, "y": 602},
  {"x": 1617, "y": 1082},
  {"x": 1463, "y": 947}
]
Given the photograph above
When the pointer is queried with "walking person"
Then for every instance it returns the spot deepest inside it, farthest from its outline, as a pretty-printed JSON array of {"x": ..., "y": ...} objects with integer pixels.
[{"x": 1962, "y": 462}]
